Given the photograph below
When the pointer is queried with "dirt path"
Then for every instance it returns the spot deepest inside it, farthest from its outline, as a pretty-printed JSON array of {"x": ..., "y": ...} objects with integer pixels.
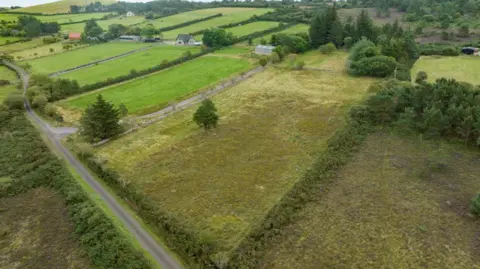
[{"x": 158, "y": 252}]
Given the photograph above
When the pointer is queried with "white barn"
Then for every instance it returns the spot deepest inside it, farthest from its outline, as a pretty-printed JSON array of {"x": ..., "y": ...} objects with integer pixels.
[
  {"x": 264, "y": 50},
  {"x": 184, "y": 39}
]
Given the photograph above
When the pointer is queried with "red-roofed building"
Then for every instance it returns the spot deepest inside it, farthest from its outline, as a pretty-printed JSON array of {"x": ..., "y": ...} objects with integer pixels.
[{"x": 74, "y": 36}]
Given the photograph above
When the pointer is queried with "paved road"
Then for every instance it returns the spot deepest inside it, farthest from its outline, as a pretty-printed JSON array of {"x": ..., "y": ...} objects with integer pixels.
[{"x": 158, "y": 252}]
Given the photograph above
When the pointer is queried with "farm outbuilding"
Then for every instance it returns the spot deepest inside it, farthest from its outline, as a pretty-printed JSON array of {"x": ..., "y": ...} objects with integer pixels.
[
  {"x": 264, "y": 50},
  {"x": 133, "y": 38},
  {"x": 184, "y": 39},
  {"x": 74, "y": 36},
  {"x": 130, "y": 14}
]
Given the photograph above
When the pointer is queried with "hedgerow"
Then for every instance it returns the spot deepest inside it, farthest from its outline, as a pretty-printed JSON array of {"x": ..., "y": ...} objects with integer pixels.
[{"x": 183, "y": 24}]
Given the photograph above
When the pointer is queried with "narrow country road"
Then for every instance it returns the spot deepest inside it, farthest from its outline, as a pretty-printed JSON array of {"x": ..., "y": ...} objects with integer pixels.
[{"x": 158, "y": 252}]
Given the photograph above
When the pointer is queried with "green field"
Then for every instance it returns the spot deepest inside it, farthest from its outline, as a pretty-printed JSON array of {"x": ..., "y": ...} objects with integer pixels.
[
  {"x": 222, "y": 182},
  {"x": 237, "y": 14},
  {"x": 43, "y": 50},
  {"x": 7, "y": 39},
  {"x": 78, "y": 57},
  {"x": 298, "y": 28},
  {"x": 78, "y": 27},
  {"x": 72, "y": 17},
  {"x": 157, "y": 90},
  {"x": 62, "y": 6},
  {"x": 6, "y": 90},
  {"x": 138, "y": 61},
  {"x": 388, "y": 208},
  {"x": 8, "y": 17},
  {"x": 21, "y": 46},
  {"x": 7, "y": 74},
  {"x": 252, "y": 27},
  {"x": 462, "y": 68}
]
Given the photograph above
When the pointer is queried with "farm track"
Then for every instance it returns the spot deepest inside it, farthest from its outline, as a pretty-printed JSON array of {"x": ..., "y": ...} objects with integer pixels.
[{"x": 158, "y": 252}]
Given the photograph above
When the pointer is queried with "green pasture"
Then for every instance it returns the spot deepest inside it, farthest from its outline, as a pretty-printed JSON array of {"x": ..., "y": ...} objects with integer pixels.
[
  {"x": 7, "y": 74},
  {"x": 71, "y": 17},
  {"x": 122, "y": 66},
  {"x": 461, "y": 68},
  {"x": 226, "y": 19},
  {"x": 298, "y": 28},
  {"x": 6, "y": 90},
  {"x": 124, "y": 20},
  {"x": 155, "y": 91},
  {"x": 78, "y": 57},
  {"x": 252, "y": 27},
  {"x": 43, "y": 50},
  {"x": 21, "y": 46},
  {"x": 62, "y": 6},
  {"x": 8, "y": 39}
]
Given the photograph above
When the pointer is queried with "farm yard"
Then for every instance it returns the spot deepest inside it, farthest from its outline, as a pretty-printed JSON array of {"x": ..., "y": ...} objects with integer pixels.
[
  {"x": 298, "y": 28},
  {"x": 231, "y": 17},
  {"x": 236, "y": 173},
  {"x": 78, "y": 57},
  {"x": 62, "y": 6},
  {"x": 155, "y": 91},
  {"x": 399, "y": 214},
  {"x": 37, "y": 233},
  {"x": 122, "y": 66},
  {"x": 462, "y": 68}
]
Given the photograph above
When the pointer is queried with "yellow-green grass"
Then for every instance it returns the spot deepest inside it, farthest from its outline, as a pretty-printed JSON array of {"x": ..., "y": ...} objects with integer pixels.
[
  {"x": 461, "y": 68},
  {"x": 21, "y": 46},
  {"x": 6, "y": 90},
  {"x": 62, "y": 6},
  {"x": 334, "y": 62},
  {"x": 9, "y": 17},
  {"x": 156, "y": 91},
  {"x": 236, "y": 15},
  {"x": 78, "y": 57},
  {"x": 137, "y": 61},
  {"x": 222, "y": 182},
  {"x": 298, "y": 28},
  {"x": 7, "y": 74},
  {"x": 41, "y": 51},
  {"x": 388, "y": 208},
  {"x": 8, "y": 39},
  {"x": 124, "y": 20},
  {"x": 252, "y": 27},
  {"x": 38, "y": 233}
]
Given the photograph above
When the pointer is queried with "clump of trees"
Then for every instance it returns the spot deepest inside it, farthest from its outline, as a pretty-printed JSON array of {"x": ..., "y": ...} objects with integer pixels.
[
  {"x": 55, "y": 89},
  {"x": 291, "y": 43},
  {"x": 217, "y": 37},
  {"x": 100, "y": 121},
  {"x": 92, "y": 29},
  {"x": 206, "y": 115}
]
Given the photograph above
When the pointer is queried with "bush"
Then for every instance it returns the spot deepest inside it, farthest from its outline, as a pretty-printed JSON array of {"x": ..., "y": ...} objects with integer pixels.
[
  {"x": 475, "y": 205},
  {"x": 299, "y": 65},
  {"x": 50, "y": 110},
  {"x": 439, "y": 49},
  {"x": 377, "y": 66},
  {"x": 14, "y": 101},
  {"x": 39, "y": 101},
  {"x": 361, "y": 49},
  {"x": 328, "y": 48},
  {"x": 263, "y": 60},
  {"x": 421, "y": 76},
  {"x": 84, "y": 150},
  {"x": 274, "y": 58}
]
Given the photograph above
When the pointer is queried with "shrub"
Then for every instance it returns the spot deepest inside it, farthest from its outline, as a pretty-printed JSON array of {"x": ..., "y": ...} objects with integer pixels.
[
  {"x": 274, "y": 58},
  {"x": 361, "y": 49},
  {"x": 328, "y": 48},
  {"x": 263, "y": 60},
  {"x": 84, "y": 150},
  {"x": 206, "y": 115},
  {"x": 475, "y": 205},
  {"x": 50, "y": 110},
  {"x": 421, "y": 76},
  {"x": 377, "y": 66},
  {"x": 14, "y": 101},
  {"x": 51, "y": 50},
  {"x": 39, "y": 101},
  {"x": 299, "y": 65}
]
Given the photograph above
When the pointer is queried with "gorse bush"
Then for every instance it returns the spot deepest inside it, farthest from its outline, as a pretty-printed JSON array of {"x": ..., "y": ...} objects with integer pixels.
[
  {"x": 328, "y": 48},
  {"x": 475, "y": 205}
]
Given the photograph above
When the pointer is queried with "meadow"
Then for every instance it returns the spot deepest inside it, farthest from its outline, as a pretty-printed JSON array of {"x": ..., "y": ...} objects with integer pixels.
[
  {"x": 6, "y": 90},
  {"x": 246, "y": 29},
  {"x": 78, "y": 57},
  {"x": 461, "y": 68},
  {"x": 71, "y": 17},
  {"x": 21, "y": 46},
  {"x": 354, "y": 12},
  {"x": 155, "y": 91},
  {"x": 7, "y": 74},
  {"x": 122, "y": 66},
  {"x": 8, "y": 39},
  {"x": 221, "y": 182},
  {"x": 298, "y": 28},
  {"x": 36, "y": 232},
  {"x": 388, "y": 208},
  {"x": 124, "y": 20},
  {"x": 62, "y": 6},
  {"x": 43, "y": 50},
  {"x": 242, "y": 14}
]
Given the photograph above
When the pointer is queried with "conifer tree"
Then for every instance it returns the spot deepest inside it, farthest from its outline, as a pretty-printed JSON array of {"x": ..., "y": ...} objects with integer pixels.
[
  {"x": 364, "y": 27},
  {"x": 100, "y": 120},
  {"x": 317, "y": 31}
]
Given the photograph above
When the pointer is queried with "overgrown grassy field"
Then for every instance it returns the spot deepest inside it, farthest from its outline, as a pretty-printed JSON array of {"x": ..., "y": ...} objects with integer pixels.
[
  {"x": 7, "y": 74},
  {"x": 223, "y": 181},
  {"x": 137, "y": 61},
  {"x": 334, "y": 62},
  {"x": 234, "y": 15},
  {"x": 78, "y": 57},
  {"x": 36, "y": 232},
  {"x": 156, "y": 91},
  {"x": 248, "y": 28},
  {"x": 6, "y": 90},
  {"x": 462, "y": 68},
  {"x": 124, "y": 20},
  {"x": 62, "y": 6},
  {"x": 21, "y": 46},
  {"x": 389, "y": 208},
  {"x": 298, "y": 28},
  {"x": 7, "y": 39},
  {"x": 354, "y": 12},
  {"x": 41, "y": 51},
  {"x": 73, "y": 17}
]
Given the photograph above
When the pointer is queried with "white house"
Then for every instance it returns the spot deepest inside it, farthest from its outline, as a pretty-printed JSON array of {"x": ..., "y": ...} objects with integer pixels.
[
  {"x": 183, "y": 39},
  {"x": 264, "y": 50},
  {"x": 130, "y": 14}
]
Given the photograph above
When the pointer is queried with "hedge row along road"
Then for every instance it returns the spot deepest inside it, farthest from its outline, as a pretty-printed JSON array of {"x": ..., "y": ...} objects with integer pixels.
[{"x": 158, "y": 252}]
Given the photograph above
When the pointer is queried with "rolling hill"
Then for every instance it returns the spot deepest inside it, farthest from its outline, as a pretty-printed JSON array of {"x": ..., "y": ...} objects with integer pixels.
[{"x": 62, "y": 6}]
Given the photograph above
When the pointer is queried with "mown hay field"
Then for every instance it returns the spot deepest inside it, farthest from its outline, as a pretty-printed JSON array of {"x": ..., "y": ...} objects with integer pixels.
[
  {"x": 123, "y": 66},
  {"x": 62, "y": 6},
  {"x": 389, "y": 208},
  {"x": 7, "y": 74},
  {"x": 36, "y": 233},
  {"x": 78, "y": 57},
  {"x": 221, "y": 182},
  {"x": 233, "y": 16},
  {"x": 151, "y": 93},
  {"x": 298, "y": 28},
  {"x": 461, "y": 68}
]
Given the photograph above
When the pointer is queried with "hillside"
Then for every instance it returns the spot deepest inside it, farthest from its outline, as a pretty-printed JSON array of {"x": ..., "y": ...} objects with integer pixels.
[{"x": 59, "y": 6}]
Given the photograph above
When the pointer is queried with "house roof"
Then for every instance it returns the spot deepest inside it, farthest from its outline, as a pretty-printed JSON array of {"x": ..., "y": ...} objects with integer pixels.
[
  {"x": 75, "y": 35},
  {"x": 265, "y": 47},
  {"x": 185, "y": 38}
]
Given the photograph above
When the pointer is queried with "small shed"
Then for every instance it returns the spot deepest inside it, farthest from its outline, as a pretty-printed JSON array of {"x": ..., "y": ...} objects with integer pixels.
[
  {"x": 132, "y": 38},
  {"x": 74, "y": 36},
  {"x": 184, "y": 39},
  {"x": 130, "y": 14},
  {"x": 264, "y": 50}
]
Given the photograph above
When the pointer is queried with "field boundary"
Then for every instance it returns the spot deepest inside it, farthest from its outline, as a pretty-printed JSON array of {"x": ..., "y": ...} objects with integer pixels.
[{"x": 187, "y": 23}]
